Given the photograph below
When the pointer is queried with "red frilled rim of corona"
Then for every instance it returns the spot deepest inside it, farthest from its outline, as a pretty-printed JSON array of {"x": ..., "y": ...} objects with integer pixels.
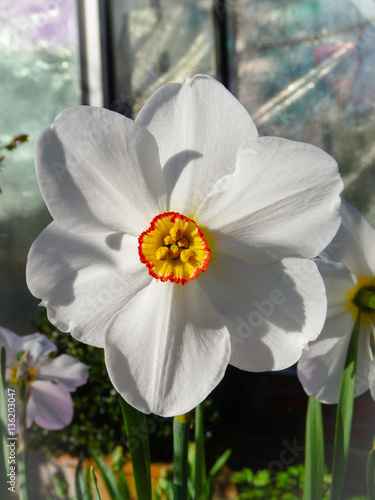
[{"x": 174, "y": 248}]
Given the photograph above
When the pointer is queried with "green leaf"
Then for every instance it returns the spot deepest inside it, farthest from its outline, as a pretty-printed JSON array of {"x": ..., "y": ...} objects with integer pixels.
[
  {"x": 344, "y": 416},
  {"x": 262, "y": 478},
  {"x": 123, "y": 486},
  {"x": 80, "y": 484},
  {"x": 107, "y": 474},
  {"x": 314, "y": 452},
  {"x": 181, "y": 426},
  {"x": 136, "y": 430},
  {"x": 246, "y": 475},
  {"x": 219, "y": 464},
  {"x": 96, "y": 489},
  {"x": 370, "y": 474},
  {"x": 88, "y": 489},
  {"x": 201, "y": 486},
  {"x": 4, "y": 466}
]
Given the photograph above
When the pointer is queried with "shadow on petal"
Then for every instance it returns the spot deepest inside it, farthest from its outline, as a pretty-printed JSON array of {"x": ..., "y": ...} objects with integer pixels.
[
  {"x": 264, "y": 308},
  {"x": 114, "y": 240},
  {"x": 64, "y": 199},
  {"x": 174, "y": 167}
]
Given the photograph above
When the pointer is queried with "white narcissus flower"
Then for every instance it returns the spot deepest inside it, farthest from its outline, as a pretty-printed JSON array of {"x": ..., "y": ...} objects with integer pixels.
[
  {"x": 348, "y": 269},
  {"x": 50, "y": 380},
  {"x": 187, "y": 194}
]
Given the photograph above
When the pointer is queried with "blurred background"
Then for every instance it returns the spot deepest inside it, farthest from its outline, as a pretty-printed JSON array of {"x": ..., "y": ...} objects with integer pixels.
[{"x": 304, "y": 69}]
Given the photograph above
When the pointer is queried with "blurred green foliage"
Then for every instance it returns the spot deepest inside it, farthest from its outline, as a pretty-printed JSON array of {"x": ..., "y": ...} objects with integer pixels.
[{"x": 285, "y": 485}]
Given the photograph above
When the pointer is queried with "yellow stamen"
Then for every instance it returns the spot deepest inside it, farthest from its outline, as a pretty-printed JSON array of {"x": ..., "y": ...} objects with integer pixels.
[
  {"x": 174, "y": 252},
  {"x": 162, "y": 253},
  {"x": 176, "y": 233},
  {"x": 186, "y": 255},
  {"x": 13, "y": 375},
  {"x": 168, "y": 240},
  {"x": 32, "y": 373},
  {"x": 174, "y": 248},
  {"x": 183, "y": 242}
]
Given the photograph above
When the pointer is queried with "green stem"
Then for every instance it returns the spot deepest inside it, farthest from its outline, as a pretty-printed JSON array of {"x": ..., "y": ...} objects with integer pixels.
[
  {"x": 314, "y": 452},
  {"x": 22, "y": 468},
  {"x": 4, "y": 453},
  {"x": 365, "y": 298},
  {"x": 136, "y": 430},
  {"x": 200, "y": 461},
  {"x": 370, "y": 474},
  {"x": 345, "y": 415},
  {"x": 181, "y": 425}
]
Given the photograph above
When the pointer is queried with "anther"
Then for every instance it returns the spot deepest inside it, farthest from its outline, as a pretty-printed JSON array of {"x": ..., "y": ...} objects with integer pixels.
[
  {"x": 183, "y": 242},
  {"x": 162, "y": 253},
  {"x": 186, "y": 255},
  {"x": 168, "y": 240},
  {"x": 176, "y": 233},
  {"x": 174, "y": 252}
]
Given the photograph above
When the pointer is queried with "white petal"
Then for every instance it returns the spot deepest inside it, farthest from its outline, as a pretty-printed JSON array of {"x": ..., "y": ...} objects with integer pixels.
[
  {"x": 321, "y": 366},
  {"x": 83, "y": 280},
  {"x": 371, "y": 377},
  {"x": 96, "y": 167},
  {"x": 65, "y": 370},
  {"x": 354, "y": 243},
  {"x": 51, "y": 405},
  {"x": 12, "y": 343},
  {"x": 270, "y": 310},
  {"x": 167, "y": 350},
  {"x": 283, "y": 199},
  {"x": 199, "y": 127},
  {"x": 38, "y": 346}
]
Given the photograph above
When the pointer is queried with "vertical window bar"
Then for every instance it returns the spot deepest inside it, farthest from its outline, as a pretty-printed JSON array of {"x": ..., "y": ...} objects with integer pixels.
[
  {"x": 90, "y": 52},
  {"x": 108, "y": 63},
  {"x": 220, "y": 13},
  {"x": 82, "y": 53}
]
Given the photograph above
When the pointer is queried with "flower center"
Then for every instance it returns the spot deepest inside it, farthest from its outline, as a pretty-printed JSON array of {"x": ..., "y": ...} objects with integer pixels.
[
  {"x": 29, "y": 376},
  {"x": 362, "y": 296},
  {"x": 174, "y": 248}
]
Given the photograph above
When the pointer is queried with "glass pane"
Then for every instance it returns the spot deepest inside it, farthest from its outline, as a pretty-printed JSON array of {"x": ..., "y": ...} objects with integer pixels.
[
  {"x": 157, "y": 42},
  {"x": 39, "y": 67},
  {"x": 306, "y": 71}
]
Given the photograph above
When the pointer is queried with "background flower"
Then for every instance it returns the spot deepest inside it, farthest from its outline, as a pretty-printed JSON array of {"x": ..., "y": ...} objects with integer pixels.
[
  {"x": 348, "y": 265},
  {"x": 51, "y": 380},
  {"x": 262, "y": 205}
]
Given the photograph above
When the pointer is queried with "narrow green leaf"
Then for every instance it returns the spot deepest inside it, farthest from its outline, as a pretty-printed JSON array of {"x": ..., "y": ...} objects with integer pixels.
[
  {"x": 219, "y": 464},
  {"x": 88, "y": 489},
  {"x": 96, "y": 489},
  {"x": 345, "y": 416},
  {"x": 136, "y": 430},
  {"x": 314, "y": 452},
  {"x": 4, "y": 466},
  {"x": 181, "y": 426},
  {"x": 107, "y": 474},
  {"x": 22, "y": 434},
  {"x": 80, "y": 484},
  {"x": 123, "y": 486},
  {"x": 118, "y": 462},
  {"x": 370, "y": 474},
  {"x": 201, "y": 485}
]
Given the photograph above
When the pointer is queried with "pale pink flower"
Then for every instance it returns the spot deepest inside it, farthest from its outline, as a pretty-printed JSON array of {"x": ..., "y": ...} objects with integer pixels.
[{"x": 51, "y": 380}]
